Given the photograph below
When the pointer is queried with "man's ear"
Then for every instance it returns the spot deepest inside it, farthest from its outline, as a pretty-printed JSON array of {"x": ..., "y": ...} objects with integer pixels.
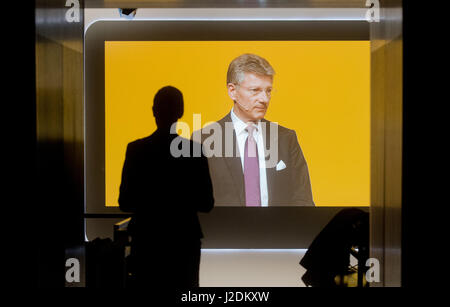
[{"x": 231, "y": 91}]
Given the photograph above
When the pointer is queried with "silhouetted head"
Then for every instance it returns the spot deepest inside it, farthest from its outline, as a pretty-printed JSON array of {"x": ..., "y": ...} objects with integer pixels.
[{"x": 168, "y": 106}]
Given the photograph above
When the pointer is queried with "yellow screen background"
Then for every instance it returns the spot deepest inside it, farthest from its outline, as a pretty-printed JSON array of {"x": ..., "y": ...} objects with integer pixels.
[{"x": 321, "y": 90}]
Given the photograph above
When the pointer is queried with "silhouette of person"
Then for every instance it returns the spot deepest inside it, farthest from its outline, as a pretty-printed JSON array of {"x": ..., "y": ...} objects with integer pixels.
[{"x": 165, "y": 193}]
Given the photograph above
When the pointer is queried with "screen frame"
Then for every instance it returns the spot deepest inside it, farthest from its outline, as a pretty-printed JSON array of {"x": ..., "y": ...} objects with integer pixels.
[{"x": 176, "y": 30}]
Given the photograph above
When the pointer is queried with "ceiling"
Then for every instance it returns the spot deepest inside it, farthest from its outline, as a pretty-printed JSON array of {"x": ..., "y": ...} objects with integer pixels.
[{"x": 224, "y": 3}]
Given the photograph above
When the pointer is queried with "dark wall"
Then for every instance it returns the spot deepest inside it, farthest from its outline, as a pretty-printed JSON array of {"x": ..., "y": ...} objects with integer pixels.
[
  {"x": 18, "y": 143},
  {"x": 59, "y": 132},
  {"x": 424, "y": 223},
  {"x": 386, "y": 141}
]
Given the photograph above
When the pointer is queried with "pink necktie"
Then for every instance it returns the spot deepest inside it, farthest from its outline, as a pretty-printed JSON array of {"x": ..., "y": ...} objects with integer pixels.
[{"x": 251, "y": 170}]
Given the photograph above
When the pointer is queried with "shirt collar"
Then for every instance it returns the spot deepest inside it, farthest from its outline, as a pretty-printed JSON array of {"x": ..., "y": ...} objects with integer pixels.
[{"x": 240, "y": 125}]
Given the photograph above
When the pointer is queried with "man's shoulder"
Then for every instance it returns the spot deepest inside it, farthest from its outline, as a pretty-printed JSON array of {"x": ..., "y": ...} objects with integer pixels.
[
  {"x": 200, "y": 134},
  {"x": 221, "y": 122},
  {"x": 282, "y": 130},
  {"x": 139, "y": 142}
]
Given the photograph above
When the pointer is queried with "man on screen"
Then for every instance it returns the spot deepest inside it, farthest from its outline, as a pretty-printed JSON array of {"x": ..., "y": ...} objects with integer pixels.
[{"x": 266, "y": 166}]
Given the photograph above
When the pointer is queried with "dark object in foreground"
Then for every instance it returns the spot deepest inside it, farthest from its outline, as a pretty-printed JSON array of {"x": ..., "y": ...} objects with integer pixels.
[{"x": 327, "y": 260}]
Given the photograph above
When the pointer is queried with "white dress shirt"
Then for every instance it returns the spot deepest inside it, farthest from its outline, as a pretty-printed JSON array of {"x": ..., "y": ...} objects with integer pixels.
[{"x": 241, "y": 136}]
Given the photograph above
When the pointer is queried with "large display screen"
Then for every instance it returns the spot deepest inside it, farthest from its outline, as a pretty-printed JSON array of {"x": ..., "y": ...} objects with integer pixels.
[{"x": 321, "y": 90}]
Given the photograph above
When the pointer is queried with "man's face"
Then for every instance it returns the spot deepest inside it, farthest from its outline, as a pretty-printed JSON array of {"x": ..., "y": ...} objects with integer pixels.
[{"x": 252, "y": 96}]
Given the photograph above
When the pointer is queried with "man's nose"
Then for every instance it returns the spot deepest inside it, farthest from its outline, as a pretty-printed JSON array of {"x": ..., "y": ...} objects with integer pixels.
[{"x": 264, "y": 97}]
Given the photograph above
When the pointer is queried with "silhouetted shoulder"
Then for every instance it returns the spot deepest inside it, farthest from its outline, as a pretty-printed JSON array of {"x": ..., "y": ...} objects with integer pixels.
[
  {"x": 139, "y": 142},
  {"x": 136, "y": 144}
]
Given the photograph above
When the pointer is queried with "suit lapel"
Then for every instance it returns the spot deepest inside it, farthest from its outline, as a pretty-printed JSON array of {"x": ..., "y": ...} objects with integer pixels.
[
  {"x": 234, "y": 163},
  {"x": 270, "y": 172}
]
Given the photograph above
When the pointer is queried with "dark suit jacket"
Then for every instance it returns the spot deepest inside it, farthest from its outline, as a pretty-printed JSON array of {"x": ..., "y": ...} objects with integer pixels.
[
  {"x": 287, "y": 187},
  {"x": 165, "y": 192}
]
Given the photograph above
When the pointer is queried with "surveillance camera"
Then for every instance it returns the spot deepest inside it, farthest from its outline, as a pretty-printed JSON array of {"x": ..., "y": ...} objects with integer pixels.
[{"x": 127, "y": 13}]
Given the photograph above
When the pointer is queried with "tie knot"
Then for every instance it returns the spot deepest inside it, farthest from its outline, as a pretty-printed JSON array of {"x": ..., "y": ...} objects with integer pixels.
[{"x": 250, "y": 128}]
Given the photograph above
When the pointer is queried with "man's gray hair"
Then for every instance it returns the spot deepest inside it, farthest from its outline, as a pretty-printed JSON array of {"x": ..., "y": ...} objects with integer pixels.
[{"x": 248, "y": 63}]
